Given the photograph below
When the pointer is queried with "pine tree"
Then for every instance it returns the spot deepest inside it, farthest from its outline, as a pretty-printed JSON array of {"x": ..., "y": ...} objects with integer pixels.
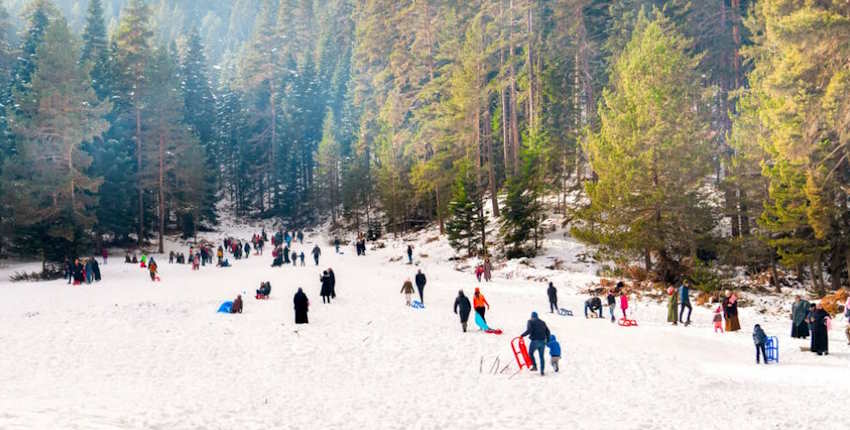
[
  {"x": 522, "y": 211},
  {"x": 132, "y": 57},
  {"x": 52, "y": 192},
  {"x": 466, "y": 225},
  {"x": 798, "y": 99},
  {"x": 96, "y": 48},
  {"x": 329, "y": 160},
  {"x": 199, "y": 112},
  {"x": 651, "y": 154}
]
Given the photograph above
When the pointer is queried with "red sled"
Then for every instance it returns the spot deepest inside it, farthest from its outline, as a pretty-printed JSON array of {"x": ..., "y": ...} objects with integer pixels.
[
  {"x": 262, "y": 297},
  {"x": 493, "y": 331},
  {"x": 142, "y": 265},
  {"x": 627, "y": 322},
  {"x": 520, "y": 353}
]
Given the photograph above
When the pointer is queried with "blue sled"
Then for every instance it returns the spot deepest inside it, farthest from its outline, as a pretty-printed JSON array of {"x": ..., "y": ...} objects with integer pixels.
[
  {"x": 225, "y": 307},
  {"x": 480, "y": 322},
  {"x": 417, "y": 305},
  {"x": 565, "y": 312}
]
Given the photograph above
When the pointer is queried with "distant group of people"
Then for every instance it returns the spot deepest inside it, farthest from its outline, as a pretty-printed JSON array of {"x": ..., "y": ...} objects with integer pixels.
[
  {"x": 484, "y": 270},
  {"x": 682, "y": 295},
  {"x": 360, "y": 244},
  {"x": 812, "y": 320},
  {"x": 594, "y": 303},
  {"x": 84, "y": 271}
]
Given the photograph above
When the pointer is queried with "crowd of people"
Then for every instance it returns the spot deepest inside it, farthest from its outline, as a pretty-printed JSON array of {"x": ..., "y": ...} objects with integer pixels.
[{"x": 85, "y": 271}]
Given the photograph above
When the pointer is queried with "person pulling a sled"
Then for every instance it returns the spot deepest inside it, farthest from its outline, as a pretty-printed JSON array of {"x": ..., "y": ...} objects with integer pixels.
[{"x": 539, "y": 334}]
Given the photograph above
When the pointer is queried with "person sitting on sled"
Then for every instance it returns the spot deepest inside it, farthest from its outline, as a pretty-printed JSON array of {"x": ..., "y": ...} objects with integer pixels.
[{"x": 265, "y": 289}]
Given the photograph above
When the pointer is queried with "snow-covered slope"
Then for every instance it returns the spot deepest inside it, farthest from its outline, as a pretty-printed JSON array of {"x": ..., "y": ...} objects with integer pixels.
[{"x": 131, "y": 354}]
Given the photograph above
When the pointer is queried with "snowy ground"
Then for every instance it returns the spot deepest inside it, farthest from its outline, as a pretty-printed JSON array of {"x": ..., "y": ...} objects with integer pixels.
[{"x": 130, "y": 354}]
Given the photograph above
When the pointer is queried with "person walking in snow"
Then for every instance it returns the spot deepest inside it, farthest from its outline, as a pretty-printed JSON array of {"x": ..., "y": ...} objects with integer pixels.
[
  {"x": 799, "y": 326},
  {"x": 69, "y": 269},
  {"x": 624, "y": 302},
  {"x": 407, "y": 290},
  {"x": 336, "y": 244},
  {"x": 462, "y": 309},
  {"x": 672, "y": 305},
  {"x": 294, "y": 258},
  {"x": 333, "y": 282},
  {"x": 152, "y": 267},
  {"x": 612, "y": 302},
  {"x": 685, "y": 301},
  {"x": 89, "y": 272},
  {"x": 552, "y": 293},
  {"x": 730, "y": 311},
  {"x": 302, "y": 305},
  {"x": 718, "y": 319},
  {"x": 316, "y": 253},
  {"x": 480, "y": 304},
  {"x": 488, "y": 269},
  {"x": 104, "y": 254},
  {"x": 409, "y": 254},
  {"x": 759, "y": 339},
  {"x": 95, "y": 268},
  {"x": 539, "y": 334},
  {"x": 247, "y": 250},
  {"x": 554, "y": 351},
  {"x": 420, "y": 285},
  {"x": 326, "y": 290}
]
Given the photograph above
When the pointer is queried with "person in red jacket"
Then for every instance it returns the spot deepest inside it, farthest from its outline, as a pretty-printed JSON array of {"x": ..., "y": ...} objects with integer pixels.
[
  {"x": 480, "y": 303},
  {"x": 624, "y": 302}
]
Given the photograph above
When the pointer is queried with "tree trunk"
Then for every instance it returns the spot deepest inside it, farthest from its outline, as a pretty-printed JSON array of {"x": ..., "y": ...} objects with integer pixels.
[
  {"x": 491, "y": 170},
  {"x": 141, "y": 231},
  {"x": 774, "y": 274},
  {"x": 530, "y": 64},
  {"x": 513, "y": 94},
  {"x": 161, "y": 193},
  {"x": 272, "y": 177},
  {"x": 647, "y": 260},
  {"x": 506, "y": 141}
]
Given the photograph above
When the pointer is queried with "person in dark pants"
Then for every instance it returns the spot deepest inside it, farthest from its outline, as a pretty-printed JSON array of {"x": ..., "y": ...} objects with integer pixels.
[
  {"x": 301, "y": 305},
  {"x": 594, "y": 304},
  {"x": 685, "y": 302},
  {"x": 462, "y": 305},
  {"x": 552, "y": 292},
  {"x": 759, "y": 338},
  {"x": 480, "y": 303},
  {"x": 612, "y": 303},
  {"x": 420, "y": 285},
  {"x": 316, "y": 253},
  {"x": 326, "y": 290},
  {"x": 409, "y": 254},
  {"x": 333, "y": 282},
  {"x": 236, "y": 308},
  {"x": 539, "y": 333}
]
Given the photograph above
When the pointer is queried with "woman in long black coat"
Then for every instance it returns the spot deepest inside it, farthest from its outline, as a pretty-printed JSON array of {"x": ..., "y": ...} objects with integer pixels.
[
  {"x": 326, "y": 290},
  {"x": 820, "y": 339},
  {"x": 462, "y": 305},
  {"x": 301, "y": 304}
]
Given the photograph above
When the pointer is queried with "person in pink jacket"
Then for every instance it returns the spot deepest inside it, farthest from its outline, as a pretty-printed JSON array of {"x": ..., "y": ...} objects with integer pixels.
[
  {"x": 624, "y": 302},
  {"x": 847, "y": 314}
]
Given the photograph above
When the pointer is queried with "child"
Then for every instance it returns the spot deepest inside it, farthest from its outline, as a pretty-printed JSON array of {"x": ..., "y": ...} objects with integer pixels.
[
  {"x": 759, "y": 338},
  {"x": 718, "y": 319},
  {"x": 624, "y": 302},
  {"x": 554, "y": 351},
  {"x": 407, "y": 290},
  {"x": 301, "y": 257}
]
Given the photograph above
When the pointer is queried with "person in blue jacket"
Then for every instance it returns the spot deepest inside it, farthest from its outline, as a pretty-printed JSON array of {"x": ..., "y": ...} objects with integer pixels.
[
  {"x": 538, "y": 332},
  {"x": 554, "y": 351},
  {"x": 685, "y": 302}
]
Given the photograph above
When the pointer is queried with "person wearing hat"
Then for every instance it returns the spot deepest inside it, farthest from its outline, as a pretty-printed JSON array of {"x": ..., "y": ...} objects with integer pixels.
[
  {"x": 539, "y": 333},
  {"x": 462, "y": 305}
]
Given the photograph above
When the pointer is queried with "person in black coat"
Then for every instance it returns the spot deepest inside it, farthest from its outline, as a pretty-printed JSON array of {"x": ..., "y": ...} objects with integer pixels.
[
  {"x": 420, "y": 285},
  {"x": 333, "y": 282},
  {"x": 462, "y": 304},
  {"x": 538, "y": 332},
  {"x": 95, "y": 267},
  {"x": 326, "y": 290},
  {"x": 301, "y": 305},
  {"x": 78, "y": 272},
  {"x": 552, "y": 292},
  {"x": 820, "y": 339}
]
